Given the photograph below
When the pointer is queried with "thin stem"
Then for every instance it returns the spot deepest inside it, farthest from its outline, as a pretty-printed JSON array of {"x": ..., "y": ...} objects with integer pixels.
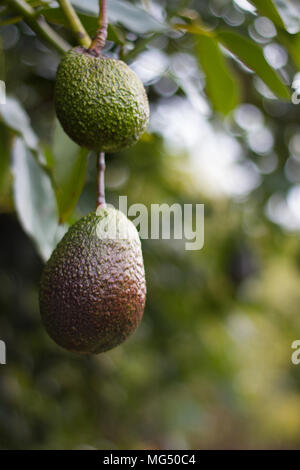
[
  {"x": 101, "y": 35},
  {"x": 38, "y": 24},
  {"x": 100, "y": 181},
  {"x": 75, "y": 23}
]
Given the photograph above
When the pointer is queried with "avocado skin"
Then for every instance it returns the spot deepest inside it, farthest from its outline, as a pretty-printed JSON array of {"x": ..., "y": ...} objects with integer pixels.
[
  {"x": 100, "y": 102},
  {"x": 92, "y": 291}
]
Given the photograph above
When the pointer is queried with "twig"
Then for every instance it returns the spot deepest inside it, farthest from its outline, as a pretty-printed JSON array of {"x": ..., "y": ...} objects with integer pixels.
[
  {"x": 75, "y": 23},
  {"x": 38, "y": 24},
  {"x": 101, "y": 35},
  {"x": 100, "y": 181}
]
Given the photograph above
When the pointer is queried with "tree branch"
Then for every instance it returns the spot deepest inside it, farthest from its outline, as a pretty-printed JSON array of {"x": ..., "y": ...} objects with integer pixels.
[
  {"x": 38, "y": 24},
  {"x": 101, "y": 35},
  {"x": 75, "y": 23}
]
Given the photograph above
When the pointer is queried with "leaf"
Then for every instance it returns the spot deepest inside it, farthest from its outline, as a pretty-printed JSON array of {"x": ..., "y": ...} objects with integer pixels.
[
  {"x": 69, "y": 172},
  {"x": 132, "y": 17},
  {"x": 140, "y": 46},
  {"x": 115, "y": 34},
  {"x": 2, "y": 63},
  {"x": 17, "y": 119},
  {"x": 35, "y": 200},
  {"x": 252, "y": 56},
  {"x": 90, "y": 23},
  {"x": 290, "y": 13},
  {"x": 57, "y": 16},
  {"x": 292, "y": 43},
  {"x": 11, "y": 20},
  {"x": 267, "y": 8},
  {"x": 221, "y": 85},
  {"x": 196, "y": 28},
  {"x": 5, "y": 172}
]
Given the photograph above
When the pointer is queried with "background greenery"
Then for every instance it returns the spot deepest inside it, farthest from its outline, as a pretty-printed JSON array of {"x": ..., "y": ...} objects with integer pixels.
[{"x": 210, "y": 365}]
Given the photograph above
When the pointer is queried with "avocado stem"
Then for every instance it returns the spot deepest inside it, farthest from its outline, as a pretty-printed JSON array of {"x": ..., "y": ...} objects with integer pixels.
[
  {"x": 99, "y": 41},
  {"x": 100, "y": 181}
]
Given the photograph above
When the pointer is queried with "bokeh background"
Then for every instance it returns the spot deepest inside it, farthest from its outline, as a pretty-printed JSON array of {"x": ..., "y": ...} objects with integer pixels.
[{"x": 210, "y": 365}]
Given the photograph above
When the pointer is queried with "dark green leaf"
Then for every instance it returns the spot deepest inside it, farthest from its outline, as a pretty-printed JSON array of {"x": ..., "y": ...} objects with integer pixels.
[
  {"x": 69, "y": 172},
  {"x": 90, "y": 23},
  {"x": 139, "y": 47},
  {"x": 252, "y": 56},
  {"x": 35, "y": 200},
  {"x": 292, "y": 43},
  {"x": 115, "y": 34},
  {"x": 290, "y": 13},
  {"x": 267, "y": 8},
  {"x": 221, "y": 85},
  {"x": 14, "y": 116},
  {"x": 10, "y": 20},
  {"x": 132, "y": 17},
  {"x": 57, "y": 16},
  {"x": 5, "y": 172}
]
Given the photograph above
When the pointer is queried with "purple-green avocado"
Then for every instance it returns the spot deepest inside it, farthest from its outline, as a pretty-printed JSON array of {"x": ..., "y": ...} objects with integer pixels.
[{"x": 93, "y": 290}]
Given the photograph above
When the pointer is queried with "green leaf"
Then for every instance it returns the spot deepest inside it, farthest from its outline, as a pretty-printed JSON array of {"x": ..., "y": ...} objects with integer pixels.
[
  {"x": 221, "y": 85},
  {"x": 132, "y": 17},
  {"x": 57, "y": 16},
  {"x": 90, "y": 23},
  {"x": 2, "y": 62},
  {"x": 35, "y": 200},
  {"x": 14, "y": 116},
  {"x": 292, "y": 43},
  {"x": 115, "y": 34},
  {"x": 16, "y": 119},
  {"x": 69, "y": 172},
  {"x": 11, "y": 20},
  {"x": 290, "y": 13},
  {"x": 5, "y": 171},
  {"x": 140, "y": 46},
  {"x": 267, "y": 8},
  {"x": 252, "y": 56}
]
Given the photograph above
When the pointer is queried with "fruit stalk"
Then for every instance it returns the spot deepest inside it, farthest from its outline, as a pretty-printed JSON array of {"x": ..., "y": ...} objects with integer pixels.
[
  {"x": 101, "y": 34},
  {"x": 101, "y": 183}
]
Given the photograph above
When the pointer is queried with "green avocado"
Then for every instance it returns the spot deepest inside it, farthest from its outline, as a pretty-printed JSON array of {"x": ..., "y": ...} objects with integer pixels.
[
  {"x": 100, "y": 102},
  {"x": 92, "y": 290}
]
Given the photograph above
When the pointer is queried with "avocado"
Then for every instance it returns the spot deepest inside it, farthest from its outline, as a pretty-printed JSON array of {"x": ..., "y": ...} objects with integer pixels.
[
  {"x": 100, "y": 102},
  {"x": 92, "y": 290}
]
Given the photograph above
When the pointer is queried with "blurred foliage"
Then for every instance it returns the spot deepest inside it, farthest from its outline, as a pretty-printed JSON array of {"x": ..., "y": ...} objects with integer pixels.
[{"x": 210, "y": 365}]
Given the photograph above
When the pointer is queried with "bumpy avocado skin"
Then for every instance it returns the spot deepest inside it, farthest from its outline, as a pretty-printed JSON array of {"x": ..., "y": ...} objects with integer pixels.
[
  {"x": 100, "y": 102},
  {"x": 92, "y": 290}
]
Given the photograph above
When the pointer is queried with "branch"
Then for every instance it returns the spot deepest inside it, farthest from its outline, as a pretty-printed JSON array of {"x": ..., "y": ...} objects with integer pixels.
[
  {"x": 101, "y": 35},
  {"x": 100, "y": 181},
  {"x": 75, "y": 23},
  {"x": 38, "y": 24}
]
